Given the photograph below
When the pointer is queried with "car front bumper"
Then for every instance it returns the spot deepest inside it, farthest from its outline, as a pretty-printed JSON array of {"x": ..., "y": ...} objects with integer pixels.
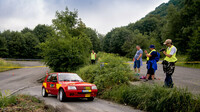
[{"x": 81, "y": 93}]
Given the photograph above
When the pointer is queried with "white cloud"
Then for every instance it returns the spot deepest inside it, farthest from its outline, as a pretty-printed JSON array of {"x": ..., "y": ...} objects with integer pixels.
[{"x": 102, "y": 15}]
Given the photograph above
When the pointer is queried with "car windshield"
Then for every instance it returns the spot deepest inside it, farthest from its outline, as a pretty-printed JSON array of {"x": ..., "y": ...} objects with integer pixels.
[{"x": 69, "y": 77}]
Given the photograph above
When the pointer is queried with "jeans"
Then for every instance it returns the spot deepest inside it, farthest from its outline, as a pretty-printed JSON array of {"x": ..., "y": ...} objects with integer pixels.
[
  {"x": 168, "y": 80},
  {"x": 168, "y": 68}
]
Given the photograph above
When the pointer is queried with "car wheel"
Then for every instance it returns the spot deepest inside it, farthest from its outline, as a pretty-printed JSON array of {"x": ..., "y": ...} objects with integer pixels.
[
  {"x": 44, "y": 93},
  {"x": 90, "y": 98},
  {"x": 61, "y": 95}
]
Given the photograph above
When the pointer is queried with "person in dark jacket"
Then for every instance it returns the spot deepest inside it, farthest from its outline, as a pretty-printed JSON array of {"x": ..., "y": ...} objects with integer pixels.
[{"x": 151, "y": 62}]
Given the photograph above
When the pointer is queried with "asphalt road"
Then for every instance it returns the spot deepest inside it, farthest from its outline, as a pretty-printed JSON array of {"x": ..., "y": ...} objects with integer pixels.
[
  {"x": 25, "y": 78},
  {"x": 13, "y": 80},
  {"x": 183, "y": 77}
]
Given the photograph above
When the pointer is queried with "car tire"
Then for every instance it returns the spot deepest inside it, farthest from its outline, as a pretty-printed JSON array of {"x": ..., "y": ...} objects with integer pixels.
[
  {"x": 90, "y": 98},
  {"x": 61, "y": 95},
  {"x": 44, "y": 93}
]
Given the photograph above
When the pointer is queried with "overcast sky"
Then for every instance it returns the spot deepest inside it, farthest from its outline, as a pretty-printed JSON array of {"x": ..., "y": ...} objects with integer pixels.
[{"x": 102, "y": 15}]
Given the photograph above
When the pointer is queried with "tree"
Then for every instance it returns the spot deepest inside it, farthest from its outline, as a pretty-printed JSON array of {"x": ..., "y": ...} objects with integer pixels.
[
  {"x": 194, "y": 51},
  {"x": 3, "y": 47},
  {"x": 92, "y": 34},
  {"x": 69, "y": 47},
  {"x": 115, "y": 39},
  {"x": 42, "y": 32},
  {"x": 16, "y": 45},
  {"x": 30, "y": 50},
  {"x": 136, "y": 38},
  {"x": 26, "y": 30}
]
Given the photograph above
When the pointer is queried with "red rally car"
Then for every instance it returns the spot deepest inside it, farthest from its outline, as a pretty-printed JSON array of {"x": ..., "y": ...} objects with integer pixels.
[{"x": 68, "y": 85}]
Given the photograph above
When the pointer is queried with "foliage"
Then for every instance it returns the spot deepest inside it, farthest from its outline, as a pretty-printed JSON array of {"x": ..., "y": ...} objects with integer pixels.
[
  {"x": 178, "y": 20},
  {"x": 154, "y": 98},
  {"x": 161, "y": 10},
  {"x": 23, "y": 103},
  {"x": 5, "y": 101},
  {"x": 109, "y": 75},
  {"x": 195, "y": 45},
  {"x": 3, "y": 47},
  {"x": 19, "y": 44},
  {"x": 42, "y": 32},
  {"x": 115, "y": 39},
  {"x": 92, "y": 34},
  {"x": 69, "y": 47}
]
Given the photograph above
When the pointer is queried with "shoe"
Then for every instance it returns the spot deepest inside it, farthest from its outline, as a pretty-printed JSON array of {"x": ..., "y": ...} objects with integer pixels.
[
  {"x": 138, "y": 74},
  {"x": 145, "y": 80}
]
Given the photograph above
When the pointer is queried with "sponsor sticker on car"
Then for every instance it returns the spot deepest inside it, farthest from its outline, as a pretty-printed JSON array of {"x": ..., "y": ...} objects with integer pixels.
[{"x": 86, "y": 91}]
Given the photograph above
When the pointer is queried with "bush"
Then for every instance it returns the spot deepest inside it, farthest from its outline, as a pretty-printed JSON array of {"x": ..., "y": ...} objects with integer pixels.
[
  {"x": 5, "y": 101},
  {"x": 115, "y": 72},
  {"x": 155, "y": 98}
]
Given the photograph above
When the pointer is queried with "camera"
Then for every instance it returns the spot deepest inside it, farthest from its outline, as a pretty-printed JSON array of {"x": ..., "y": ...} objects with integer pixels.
[{"x": 161, "y": 50}]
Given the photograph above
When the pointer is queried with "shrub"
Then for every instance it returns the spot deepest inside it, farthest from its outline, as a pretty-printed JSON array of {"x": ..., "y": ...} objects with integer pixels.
[
  {"x": 155, "y": 98},
  {"x": 5, "y": 101},
  {"x": 115, "y": 72}
]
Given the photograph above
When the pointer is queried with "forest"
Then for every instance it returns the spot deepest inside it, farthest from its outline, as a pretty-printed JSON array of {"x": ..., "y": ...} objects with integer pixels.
[{"x": 66, "y": 44}]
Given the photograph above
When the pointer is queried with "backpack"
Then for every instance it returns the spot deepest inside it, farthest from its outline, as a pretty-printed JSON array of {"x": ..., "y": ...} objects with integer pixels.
[{"x": 158, "y": 57}]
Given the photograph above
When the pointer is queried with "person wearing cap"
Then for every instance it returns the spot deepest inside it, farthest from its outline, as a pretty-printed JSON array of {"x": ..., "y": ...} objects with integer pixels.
[
  {"x": 138, "y": 60},
  {"x": 169, "y": 62},
  {"x": 151, "y": 62}
]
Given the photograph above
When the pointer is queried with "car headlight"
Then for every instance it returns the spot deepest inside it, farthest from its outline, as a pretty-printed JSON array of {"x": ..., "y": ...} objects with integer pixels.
[
  {"x": 94, "y": 87},
  {"x": 72, "y": 88}
]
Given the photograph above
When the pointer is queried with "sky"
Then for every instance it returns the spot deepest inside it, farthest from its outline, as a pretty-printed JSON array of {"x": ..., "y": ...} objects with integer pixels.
[{"x": 101, "y": 15}]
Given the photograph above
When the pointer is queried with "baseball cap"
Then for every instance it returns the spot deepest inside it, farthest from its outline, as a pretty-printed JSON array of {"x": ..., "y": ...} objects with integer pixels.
[
  {"x": 151, "y": 46},
  {"x": 168, "y": 41}
]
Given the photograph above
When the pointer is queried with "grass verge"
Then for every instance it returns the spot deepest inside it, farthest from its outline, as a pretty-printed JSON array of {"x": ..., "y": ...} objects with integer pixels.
[
  {"x": 4, "y": 65},
  {"x": 182, "y": 58},
  {"x": 154, "y": 98},
  {"x": 23, "y": 103},
  {"x": 112, "y": 80}
]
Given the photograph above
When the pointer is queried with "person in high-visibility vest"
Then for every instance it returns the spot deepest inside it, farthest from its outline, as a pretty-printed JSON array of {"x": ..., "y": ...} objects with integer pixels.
[
  {"x": 151, "y": 62},
  {"x": 93, "y": 57},
  {"x": 169, "y": 62}
]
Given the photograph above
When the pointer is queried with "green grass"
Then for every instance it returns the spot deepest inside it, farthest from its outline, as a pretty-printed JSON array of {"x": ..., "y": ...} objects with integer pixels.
[
  {"x": 23, "y": 103},
  {"x": 182, "y": 58},
  {"x": 154, "y": 98},
  {"x": 4, "y": 65}
]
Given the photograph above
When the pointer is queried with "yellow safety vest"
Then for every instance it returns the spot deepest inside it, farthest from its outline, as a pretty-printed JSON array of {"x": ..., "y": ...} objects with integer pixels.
[
  {"x": 93, "y": 56},
  {"x": 173, "y": 58},
  {"x": 150, "y": 54}
]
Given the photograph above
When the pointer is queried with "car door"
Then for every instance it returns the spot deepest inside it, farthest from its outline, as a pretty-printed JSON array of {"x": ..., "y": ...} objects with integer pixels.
[
  {"x": 53, "y": 82},
  {"x": 48, "y": 84}
]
